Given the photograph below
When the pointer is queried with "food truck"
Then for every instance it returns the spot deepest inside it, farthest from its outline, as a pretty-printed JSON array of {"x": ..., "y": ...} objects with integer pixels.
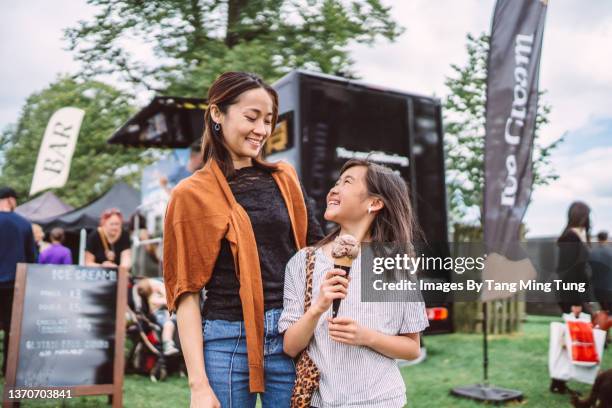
[{"x": 323, "y": 122}]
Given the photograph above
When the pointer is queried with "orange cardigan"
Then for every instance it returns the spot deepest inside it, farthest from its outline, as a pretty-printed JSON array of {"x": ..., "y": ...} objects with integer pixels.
[{"x": 201, "y": 212}]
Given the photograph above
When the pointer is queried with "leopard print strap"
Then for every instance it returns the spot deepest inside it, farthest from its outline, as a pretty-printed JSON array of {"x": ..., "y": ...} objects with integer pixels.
[{"x": 310, "y": 263}]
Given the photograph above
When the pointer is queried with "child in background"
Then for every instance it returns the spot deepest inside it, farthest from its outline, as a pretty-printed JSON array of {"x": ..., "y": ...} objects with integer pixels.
[
  {"x": 56, "y": 253},
  {"x": 154, "y": 292}
]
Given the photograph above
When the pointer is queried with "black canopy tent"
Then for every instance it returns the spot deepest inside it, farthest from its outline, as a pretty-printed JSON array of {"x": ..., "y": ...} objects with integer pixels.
[
  {"x": 121, "y": 196},
  {"x": 45, "y": 206},
  {"x": 167, "y": 121}
]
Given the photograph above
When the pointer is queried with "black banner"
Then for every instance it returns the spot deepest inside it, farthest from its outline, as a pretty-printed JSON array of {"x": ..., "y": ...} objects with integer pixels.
[{"x": 512, "y": 99}]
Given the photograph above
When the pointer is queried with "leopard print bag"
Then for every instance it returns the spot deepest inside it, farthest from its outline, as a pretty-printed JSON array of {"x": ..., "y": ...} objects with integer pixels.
[{"x": 307, "y": 373}]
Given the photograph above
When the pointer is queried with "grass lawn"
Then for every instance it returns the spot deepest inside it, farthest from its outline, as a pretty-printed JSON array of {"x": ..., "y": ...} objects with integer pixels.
[{"x": 517, "y": 361}]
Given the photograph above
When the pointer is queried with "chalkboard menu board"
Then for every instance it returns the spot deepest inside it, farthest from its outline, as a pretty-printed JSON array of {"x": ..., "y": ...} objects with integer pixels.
[{"x": 68, "y": 323}]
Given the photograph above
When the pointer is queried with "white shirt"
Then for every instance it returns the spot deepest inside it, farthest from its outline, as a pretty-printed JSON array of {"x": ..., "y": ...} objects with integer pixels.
[{"x": 354, "y": 376}]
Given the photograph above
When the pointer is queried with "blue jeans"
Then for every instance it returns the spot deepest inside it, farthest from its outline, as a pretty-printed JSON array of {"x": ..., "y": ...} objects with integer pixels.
[{"x": 227, "y": 368}]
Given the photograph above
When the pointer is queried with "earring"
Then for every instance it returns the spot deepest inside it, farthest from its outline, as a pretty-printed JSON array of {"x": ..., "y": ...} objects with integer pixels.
[
  {"x": 370, "y": 210},
  {"x": 217, "y": 127}
]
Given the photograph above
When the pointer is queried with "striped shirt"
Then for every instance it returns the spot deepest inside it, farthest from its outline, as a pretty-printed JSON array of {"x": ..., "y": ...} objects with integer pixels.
[{"x": 354, "y": 376}]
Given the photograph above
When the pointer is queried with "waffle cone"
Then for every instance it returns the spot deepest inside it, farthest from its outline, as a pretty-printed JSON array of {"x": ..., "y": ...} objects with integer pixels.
[{"x": 343, "y": 261}]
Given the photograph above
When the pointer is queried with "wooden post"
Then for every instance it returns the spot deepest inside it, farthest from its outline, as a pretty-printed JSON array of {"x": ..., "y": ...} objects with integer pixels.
[{"x": 504, "y": 316}]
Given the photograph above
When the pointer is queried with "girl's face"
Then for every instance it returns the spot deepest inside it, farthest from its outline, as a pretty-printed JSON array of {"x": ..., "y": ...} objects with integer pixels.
[
  {"x": 247, "y": 123},
  {"x": 348, "y": 200},
  {"x": 112, "y": 226}
]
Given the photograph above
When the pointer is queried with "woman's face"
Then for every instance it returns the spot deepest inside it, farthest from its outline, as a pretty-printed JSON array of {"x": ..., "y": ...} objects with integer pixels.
[
  {"x": 347, "y": 200},
  {"x": 247, "y": 123},
  {"x": 112, "y": 226}
]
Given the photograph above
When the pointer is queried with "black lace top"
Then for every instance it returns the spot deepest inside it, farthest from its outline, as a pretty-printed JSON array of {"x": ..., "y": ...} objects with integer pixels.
[{"x": 257, "y": 192}]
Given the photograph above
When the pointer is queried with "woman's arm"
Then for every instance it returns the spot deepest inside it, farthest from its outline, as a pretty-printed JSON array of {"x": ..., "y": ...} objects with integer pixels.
[
  {"x": 189, "y": 321},
  {"x": 126, "y": 259},
  {"x": 90, "y": 259}
]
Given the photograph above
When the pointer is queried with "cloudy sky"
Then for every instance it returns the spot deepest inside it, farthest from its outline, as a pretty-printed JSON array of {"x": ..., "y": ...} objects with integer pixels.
[{"x": 576, "y": 71}]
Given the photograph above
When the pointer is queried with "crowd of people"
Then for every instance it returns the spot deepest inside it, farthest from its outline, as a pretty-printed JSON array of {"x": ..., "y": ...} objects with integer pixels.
[{"x": 108, "y": 245}]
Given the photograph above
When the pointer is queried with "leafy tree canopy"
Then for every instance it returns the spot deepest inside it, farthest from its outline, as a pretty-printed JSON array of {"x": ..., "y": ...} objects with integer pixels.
[
  {"x": 96, "y": 165},
  {"x": 193, "y": 41}
]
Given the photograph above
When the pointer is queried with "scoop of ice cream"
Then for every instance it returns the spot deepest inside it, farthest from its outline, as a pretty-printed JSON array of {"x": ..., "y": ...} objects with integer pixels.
[{"x": 345, "y": 245}]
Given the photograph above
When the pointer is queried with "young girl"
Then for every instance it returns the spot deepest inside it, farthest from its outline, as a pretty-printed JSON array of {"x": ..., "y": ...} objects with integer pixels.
[
  {"x": 232, "y": 226},
  {"x": 356, "y": 351}
]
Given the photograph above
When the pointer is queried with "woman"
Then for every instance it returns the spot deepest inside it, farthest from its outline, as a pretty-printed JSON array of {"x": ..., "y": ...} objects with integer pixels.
[
  {"x": 574, "y": 245},
  {"x": 109, "y": 244},
  {"x": 237, "y": 211},
  {"x": 356, "y": 351}
]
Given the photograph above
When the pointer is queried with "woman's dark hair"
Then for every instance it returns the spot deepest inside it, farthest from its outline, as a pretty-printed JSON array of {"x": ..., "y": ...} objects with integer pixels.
[
  {"x": 578, "y": 216},
  {"x": 395, "y": 222},
  {"x": 224, "y": 92}
]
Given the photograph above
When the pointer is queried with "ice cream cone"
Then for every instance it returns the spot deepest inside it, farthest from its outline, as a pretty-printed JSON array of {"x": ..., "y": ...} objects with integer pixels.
[{"x": 344, "y": 251}]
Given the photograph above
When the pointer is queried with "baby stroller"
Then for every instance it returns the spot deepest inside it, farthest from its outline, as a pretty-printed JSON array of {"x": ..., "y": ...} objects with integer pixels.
[{"x": 145, "y": 355}]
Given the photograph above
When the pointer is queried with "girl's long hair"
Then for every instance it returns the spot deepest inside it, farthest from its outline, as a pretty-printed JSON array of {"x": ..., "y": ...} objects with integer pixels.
[
  {"x": 224, "y": 92},
  {"x": 395, "y": 222}
]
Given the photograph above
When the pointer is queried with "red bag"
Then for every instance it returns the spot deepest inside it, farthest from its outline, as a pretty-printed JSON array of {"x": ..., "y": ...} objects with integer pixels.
[{"x": 583, "y": 349}]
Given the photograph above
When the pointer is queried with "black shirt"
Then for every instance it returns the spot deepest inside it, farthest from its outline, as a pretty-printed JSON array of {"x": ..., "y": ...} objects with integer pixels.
[
  {"x": 94, "y": 245},
  {"x": 572, "y": 267},
  {"x": 256, "y": 191},
  {"x": 16, "y": 245}
]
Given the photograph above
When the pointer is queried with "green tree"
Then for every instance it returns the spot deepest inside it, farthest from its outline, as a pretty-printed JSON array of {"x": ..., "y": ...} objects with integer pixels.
[
  {"x": 95, "y": 163},
  {"x": 194, "y": 41},
  {"x": 464, "y": 121}
]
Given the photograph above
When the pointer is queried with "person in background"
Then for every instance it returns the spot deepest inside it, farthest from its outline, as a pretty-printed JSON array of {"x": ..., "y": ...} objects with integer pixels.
[
  {"x": 153, "y": 292},
  {"x": 572, "y": 265},
  {"x": 109, "y": 245},
  {"x": 39, "y": 238},
  {"x": 194, "y": 163},
  {"x": 56, "y": 253},
  {"x": 601, "y": 269},
  {"x": 146, "y": 262},
  {"x": 16, "y": 245}
]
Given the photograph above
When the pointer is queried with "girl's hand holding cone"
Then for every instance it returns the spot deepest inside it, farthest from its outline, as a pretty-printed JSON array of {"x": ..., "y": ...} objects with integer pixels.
[{"x": 335, "y": 286}]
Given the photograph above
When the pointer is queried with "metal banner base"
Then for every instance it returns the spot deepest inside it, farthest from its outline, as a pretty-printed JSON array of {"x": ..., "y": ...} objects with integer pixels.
[{"x": 487, "y": 393}]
